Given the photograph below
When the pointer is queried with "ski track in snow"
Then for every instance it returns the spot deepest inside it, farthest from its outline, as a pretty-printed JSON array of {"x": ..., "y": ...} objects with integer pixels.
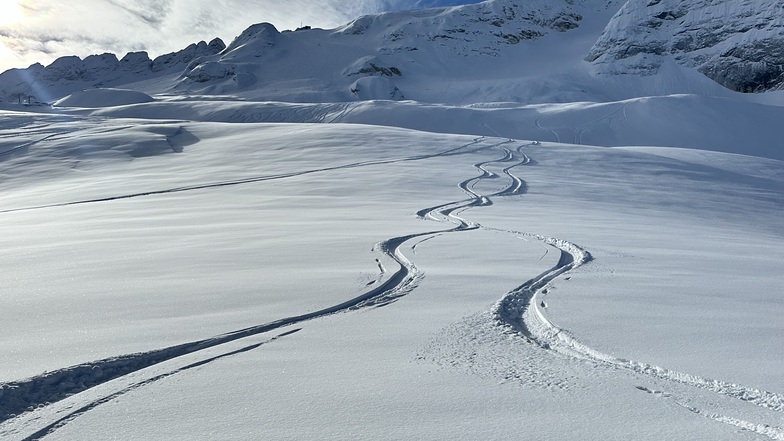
[
  {"x": 51, "y": 387},
  {"x": 520, "y": 312},
  {"x": 71, "y": 415},
  {"x": 249, "y": 180}
]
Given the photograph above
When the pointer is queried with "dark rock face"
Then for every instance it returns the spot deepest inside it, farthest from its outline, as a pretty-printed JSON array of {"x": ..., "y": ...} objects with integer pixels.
[
  {"x": 753, "y": 68},
  {"x": 737, "y": 43}
]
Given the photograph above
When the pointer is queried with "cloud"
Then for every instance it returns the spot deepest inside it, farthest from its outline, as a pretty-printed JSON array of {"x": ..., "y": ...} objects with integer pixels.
[
  {"x": 149, "y": 12},
  {"x": 54, "y": 28}
]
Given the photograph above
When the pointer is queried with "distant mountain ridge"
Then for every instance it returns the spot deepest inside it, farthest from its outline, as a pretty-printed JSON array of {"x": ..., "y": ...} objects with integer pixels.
[
  {"x": 69, "y": 74},
  {"x": 497, "y": 50}
]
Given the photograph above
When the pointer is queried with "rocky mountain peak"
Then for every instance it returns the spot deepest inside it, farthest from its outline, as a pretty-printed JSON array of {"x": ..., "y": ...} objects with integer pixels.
[
  {"x": 71, "y": 73},
  {"x": 737, "y": 43}
]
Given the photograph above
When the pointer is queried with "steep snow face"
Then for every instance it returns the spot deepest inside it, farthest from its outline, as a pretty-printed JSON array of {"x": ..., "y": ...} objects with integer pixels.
[
  {"x": 70, "y": 74},
  {"x": 376, "y": 88},
  {"x": 737, "y": 43}
]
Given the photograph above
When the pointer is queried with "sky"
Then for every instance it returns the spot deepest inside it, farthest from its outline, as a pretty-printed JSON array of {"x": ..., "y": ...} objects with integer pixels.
[{"x": 42, "y": 30}]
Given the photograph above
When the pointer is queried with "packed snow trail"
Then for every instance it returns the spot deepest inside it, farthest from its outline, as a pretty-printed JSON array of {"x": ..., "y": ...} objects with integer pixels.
[{"x": 521, "y": 310}]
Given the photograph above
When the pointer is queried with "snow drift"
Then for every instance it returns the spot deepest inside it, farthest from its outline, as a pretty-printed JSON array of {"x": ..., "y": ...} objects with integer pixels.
[{"x": 99, "y": 98}]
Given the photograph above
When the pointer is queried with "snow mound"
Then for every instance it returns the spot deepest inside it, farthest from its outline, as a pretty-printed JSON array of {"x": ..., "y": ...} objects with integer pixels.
[{"x": 97, "y": 98}]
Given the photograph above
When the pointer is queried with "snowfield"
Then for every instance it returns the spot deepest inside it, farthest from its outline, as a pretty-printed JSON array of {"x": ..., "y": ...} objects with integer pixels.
[
  {"x": 498, "y": 243},
  {"x": 228, "y": 283}
]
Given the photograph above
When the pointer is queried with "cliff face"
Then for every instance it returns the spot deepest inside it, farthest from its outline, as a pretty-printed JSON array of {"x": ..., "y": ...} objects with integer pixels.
[{"x": 737, "y": 43}]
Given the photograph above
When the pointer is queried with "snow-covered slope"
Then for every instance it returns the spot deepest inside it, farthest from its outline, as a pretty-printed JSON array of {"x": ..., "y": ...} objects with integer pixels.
[
  {"x": 739, "y": 44},
  {"x": 99, "y": 98},
  {"x": 389, "y": 231},
  {"x": 201, "y": 280},
  {"x": 723, "y": 124}
]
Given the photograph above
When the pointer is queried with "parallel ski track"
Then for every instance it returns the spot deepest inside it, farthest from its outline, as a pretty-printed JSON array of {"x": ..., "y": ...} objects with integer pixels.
[{"x": 522, "y": 311}]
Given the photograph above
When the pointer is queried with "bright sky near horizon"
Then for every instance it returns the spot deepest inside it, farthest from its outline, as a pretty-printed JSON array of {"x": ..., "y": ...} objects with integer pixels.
[{"x": 42, "y": 30}]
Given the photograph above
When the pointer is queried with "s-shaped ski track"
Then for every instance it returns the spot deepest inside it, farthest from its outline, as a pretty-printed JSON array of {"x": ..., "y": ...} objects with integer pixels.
[{"x": 22, "y": 399}]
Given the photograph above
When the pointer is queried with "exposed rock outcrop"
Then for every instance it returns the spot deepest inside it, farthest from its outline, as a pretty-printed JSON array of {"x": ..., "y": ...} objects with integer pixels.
[{"x": 737, "y": 43}]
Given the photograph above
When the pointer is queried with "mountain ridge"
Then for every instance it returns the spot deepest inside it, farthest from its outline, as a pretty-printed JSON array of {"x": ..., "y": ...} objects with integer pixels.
[
  {"x": 71, "y": 73},
  {"x": 497, "y": 50}
]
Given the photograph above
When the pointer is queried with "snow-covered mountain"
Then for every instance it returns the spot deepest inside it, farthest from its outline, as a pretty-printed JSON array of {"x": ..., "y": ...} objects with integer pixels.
[
  {"x": 739, "y": 44},
  {"x": 523, "y": 56},
  {"x": 69, "y": 74},
  {"x": 428, "y": 55}
]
